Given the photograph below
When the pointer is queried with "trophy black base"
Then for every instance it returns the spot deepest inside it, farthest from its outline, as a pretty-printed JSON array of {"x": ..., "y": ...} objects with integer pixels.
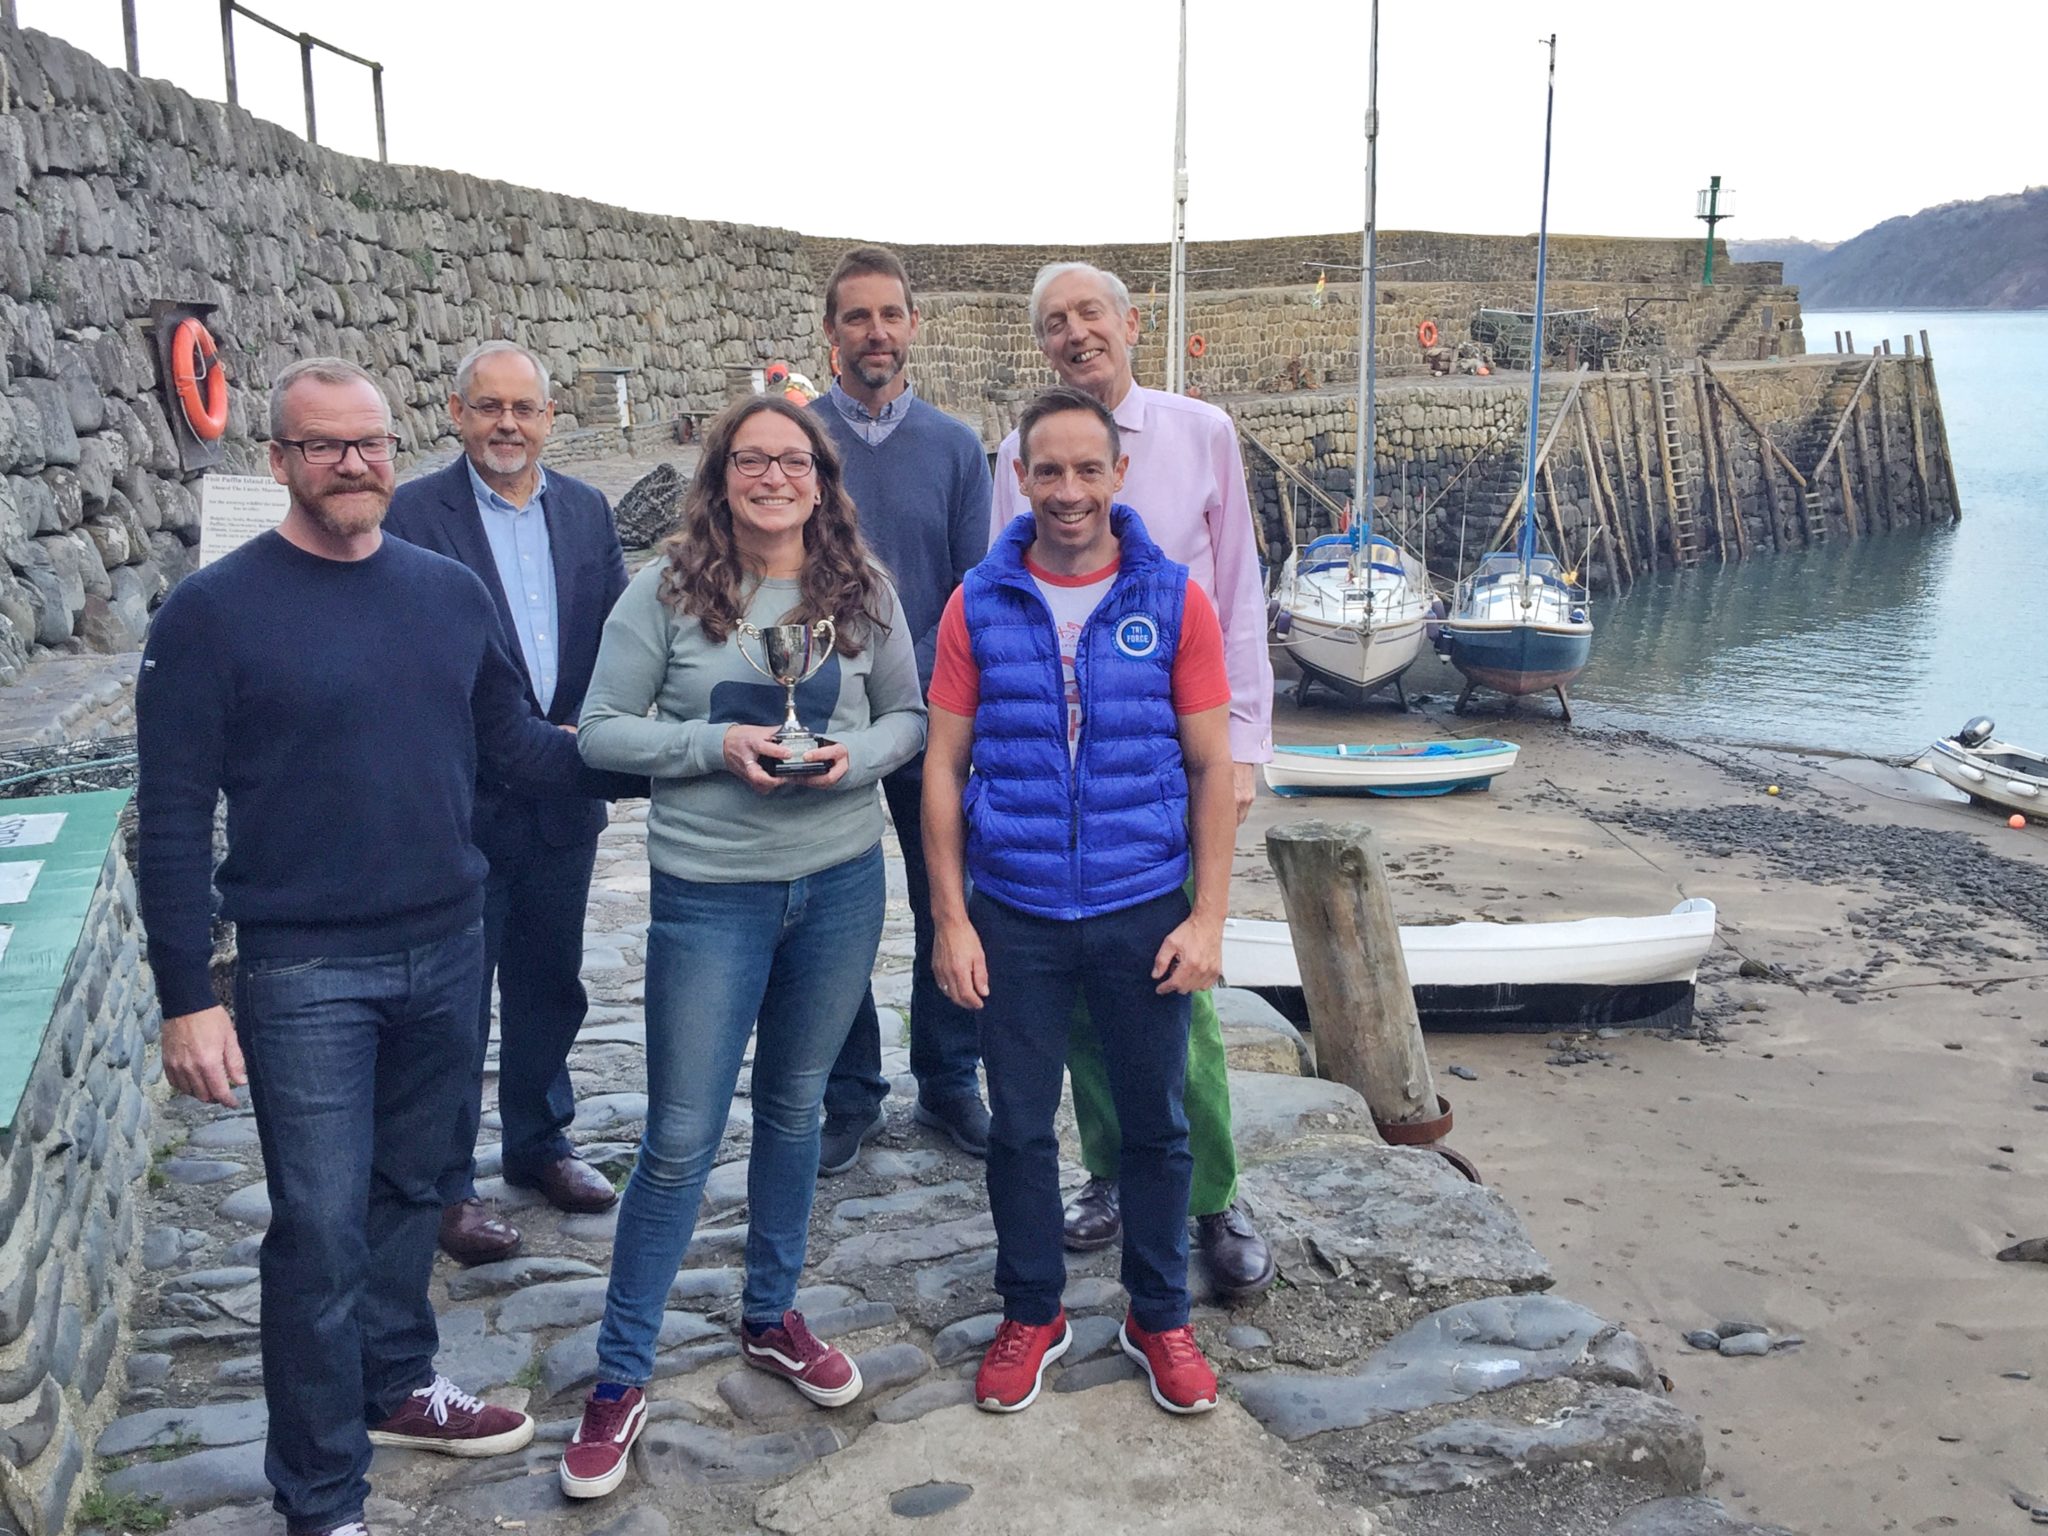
[{"x": 807, "y": 768}]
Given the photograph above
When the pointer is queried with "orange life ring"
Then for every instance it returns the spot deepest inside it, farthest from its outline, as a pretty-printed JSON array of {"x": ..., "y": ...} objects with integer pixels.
[
  {"x": 1197, "y": 347},
  {"x": 1426, "y": 333},
  {"x": 193, "y": 358}
]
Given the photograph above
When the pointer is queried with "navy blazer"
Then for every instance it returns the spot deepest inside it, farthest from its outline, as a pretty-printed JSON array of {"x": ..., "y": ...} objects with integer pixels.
[{"x": 438, "y": 512}]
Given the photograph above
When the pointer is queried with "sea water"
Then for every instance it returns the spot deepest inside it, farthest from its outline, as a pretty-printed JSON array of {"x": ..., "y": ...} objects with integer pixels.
[{"x": 1876, "y": 645}]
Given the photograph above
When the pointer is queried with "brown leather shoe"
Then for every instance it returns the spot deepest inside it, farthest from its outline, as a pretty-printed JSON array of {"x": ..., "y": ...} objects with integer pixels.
[
  {"x": 1093, "y": 1218},
  {"x": 570, "y": 1184},
  {"x": 473, "y": 1233}
]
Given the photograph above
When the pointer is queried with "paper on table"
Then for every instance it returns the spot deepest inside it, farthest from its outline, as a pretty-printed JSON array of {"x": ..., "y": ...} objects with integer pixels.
[
  {"x": 30, "y": 831},
  {"x": 17, "y": 879}
]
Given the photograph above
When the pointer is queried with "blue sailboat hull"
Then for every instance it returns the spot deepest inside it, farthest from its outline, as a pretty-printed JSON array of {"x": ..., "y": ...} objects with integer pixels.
[{"x": 1518, "y": 659}]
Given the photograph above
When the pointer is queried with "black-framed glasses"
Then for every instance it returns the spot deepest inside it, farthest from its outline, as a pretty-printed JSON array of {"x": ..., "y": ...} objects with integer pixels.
[
  {"x": 518, "y": 410},
  {"x": 332, "y": 450},
  {"x": 753, "y": 463}
]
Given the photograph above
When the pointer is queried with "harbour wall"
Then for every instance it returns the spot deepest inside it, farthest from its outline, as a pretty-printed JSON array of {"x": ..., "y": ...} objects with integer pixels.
[{"x": 1450, "y": 460}]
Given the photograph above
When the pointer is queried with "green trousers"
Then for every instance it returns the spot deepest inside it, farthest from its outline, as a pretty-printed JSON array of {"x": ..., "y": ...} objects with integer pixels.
[{"x": 1207, "y": 1103}]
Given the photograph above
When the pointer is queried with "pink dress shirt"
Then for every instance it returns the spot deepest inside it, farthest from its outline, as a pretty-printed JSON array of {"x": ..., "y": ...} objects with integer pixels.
[{"x": 1186, "y": 481}]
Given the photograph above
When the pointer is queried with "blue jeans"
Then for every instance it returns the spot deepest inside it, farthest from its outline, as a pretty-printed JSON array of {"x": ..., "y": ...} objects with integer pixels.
[
  {"x": 794, "y": 955},
  {"x": 534, "y": 904},
  {"x": 943, "y": 1048},
  {"x": 357, "y": 1070},
  {"x": 1037, "y": 967}
]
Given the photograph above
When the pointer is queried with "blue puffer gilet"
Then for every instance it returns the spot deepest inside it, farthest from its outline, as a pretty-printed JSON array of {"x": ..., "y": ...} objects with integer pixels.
[{"x": 1107, "y": 830}]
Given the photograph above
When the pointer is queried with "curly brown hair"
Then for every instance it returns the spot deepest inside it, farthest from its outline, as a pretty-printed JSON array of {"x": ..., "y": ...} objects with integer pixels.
[{"x": 705, "y": 577}]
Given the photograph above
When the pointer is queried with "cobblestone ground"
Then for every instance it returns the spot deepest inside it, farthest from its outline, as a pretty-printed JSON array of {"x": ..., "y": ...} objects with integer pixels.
[{"x": 1407, "y": 1294}]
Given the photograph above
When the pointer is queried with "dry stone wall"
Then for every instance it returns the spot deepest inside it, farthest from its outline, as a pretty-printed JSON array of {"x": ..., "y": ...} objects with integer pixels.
[
  {"x": 115, "y": 191},
  {"x": 1283, "y": 260},
  {"x": 70, "y": 1167}
]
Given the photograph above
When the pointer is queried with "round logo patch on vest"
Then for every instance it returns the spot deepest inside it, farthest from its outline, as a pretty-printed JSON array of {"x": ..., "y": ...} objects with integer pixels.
[{"x": 1137, "y": 636}]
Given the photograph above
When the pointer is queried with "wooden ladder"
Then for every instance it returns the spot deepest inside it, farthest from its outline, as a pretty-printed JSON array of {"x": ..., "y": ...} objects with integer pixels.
[
  {"x": 1685, "y": 537},
  {"x": 1816, "y": 512}
]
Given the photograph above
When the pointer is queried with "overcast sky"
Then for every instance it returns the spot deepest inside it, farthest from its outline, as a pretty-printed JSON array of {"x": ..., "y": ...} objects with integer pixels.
[{"x": 1052, "y": 120}]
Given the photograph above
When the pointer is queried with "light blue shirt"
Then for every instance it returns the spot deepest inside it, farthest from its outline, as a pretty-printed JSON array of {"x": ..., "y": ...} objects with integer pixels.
[
  {"x": 526, "y": 570},
  {"x": 873, "y": 430}
]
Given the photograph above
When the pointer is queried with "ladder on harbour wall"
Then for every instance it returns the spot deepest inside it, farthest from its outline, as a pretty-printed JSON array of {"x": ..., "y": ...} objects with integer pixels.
[
  {"x": 1685, "y": 536},
  {"x": 1816, "y": 513}
]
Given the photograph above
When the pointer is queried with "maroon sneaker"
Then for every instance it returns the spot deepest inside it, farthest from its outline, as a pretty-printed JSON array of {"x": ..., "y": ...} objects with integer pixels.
[
  {"x": 595, "y": 1462},
  {"x": 444, "y": 1418},
  {"x": 1181, "y": 1379},
  {"x": 1014, "y": 1367},
  {"x": 823, "y": 1374}
]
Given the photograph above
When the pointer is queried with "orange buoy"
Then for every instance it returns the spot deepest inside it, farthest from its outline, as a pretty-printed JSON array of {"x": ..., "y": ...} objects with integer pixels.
[
  {"x": 1426, "y": 333},
  {"x": 1197, "y": 347},
  {"x": 2016, "y": 821},
  {"x": 195, "y": 359}
]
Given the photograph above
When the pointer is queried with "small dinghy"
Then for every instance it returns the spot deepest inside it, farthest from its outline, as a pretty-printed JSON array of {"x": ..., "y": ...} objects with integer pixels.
[
  {"x": 1512, "y": 976},
  {"x": 1989, "y": 771},
  {"x": 1391, "y": 768}
]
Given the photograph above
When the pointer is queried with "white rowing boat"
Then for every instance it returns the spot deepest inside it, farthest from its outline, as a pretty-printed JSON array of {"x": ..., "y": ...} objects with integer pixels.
[
  {"x": 1513, "y": 975},
  {"x": 1398, "y": 768}
]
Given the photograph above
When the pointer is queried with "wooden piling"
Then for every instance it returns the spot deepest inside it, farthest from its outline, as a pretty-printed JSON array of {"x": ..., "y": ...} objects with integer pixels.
[
  {"x": 1873, "y": 493},
  {"x": 1628, "y": 389},
  {"x": 1919, "y": 440},
  {"x": 1625, "y": 508},
  {"x": 1948, "y": 462},
  {"x": 1711, "y": 469},
  {"x": 1848, "y": 494},
  {"x": 1884, "y": 451},
  {"x": 1556, "y": 518},
  {"x": 1720, "y": 435},
  {"x": 1354, "y": 977},
  {"x": 1603, "y": 498}
]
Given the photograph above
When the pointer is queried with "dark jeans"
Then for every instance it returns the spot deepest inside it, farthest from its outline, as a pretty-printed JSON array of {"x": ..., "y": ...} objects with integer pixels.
[
  {"x": 1036, "y": 968},
  {"x": 357, "y": 1068},
  {"x": 534, "y": 904},
  {"x": 943, "y": 1053}
]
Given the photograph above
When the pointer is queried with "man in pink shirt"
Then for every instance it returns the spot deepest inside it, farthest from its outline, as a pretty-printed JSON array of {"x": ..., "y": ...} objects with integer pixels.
[{"x": 1186, "y": 480}]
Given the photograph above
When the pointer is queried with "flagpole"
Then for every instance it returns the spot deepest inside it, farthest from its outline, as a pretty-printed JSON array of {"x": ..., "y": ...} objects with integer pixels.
[{"x": 1177, "y": 267}]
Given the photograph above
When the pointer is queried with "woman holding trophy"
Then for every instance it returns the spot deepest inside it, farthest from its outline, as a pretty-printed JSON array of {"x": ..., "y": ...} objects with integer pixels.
[{"x": 762, "y": 675}]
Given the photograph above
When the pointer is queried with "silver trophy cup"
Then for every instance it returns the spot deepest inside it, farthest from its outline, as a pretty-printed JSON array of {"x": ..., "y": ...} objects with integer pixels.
[{"x": 791, "y": 654}]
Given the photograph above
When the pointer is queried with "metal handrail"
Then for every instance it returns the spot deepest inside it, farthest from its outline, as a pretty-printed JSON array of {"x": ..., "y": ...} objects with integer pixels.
[{"x": 229, "y": 9}]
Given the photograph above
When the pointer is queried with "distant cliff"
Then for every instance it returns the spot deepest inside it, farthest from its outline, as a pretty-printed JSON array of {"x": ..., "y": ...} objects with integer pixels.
[{"x": 1987, "y": 254}]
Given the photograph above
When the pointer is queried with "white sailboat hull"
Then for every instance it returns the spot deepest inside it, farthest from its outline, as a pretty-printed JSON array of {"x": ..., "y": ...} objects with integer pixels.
[{"x": 1355, "y": 633}]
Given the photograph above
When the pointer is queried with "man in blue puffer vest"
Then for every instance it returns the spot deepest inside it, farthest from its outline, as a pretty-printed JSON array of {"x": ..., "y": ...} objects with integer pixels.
[{"x": 1081, "y": 675}]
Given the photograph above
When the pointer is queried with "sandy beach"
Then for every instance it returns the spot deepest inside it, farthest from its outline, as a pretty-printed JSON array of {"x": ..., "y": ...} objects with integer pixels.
[{"x": 1842, "y": 1151}]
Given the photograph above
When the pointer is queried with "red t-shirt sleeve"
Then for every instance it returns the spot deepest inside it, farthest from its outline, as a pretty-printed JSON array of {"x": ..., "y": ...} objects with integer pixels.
[
  {"x": 956, "y": 680},
  {"x": 1199, "y": 679}
]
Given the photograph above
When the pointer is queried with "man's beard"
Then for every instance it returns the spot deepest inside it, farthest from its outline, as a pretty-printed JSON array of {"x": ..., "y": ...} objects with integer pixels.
[
  {"x": 350, "y": 522},
  {"x": 507, "y": 458},
  {"x": 875, "y": 371}
]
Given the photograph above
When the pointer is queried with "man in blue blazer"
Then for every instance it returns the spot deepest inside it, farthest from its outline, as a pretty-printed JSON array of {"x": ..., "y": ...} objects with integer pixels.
[{"x": 547, "y": 549}]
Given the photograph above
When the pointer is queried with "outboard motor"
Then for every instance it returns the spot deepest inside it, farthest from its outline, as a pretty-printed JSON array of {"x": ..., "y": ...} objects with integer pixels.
[{"x": 1977, "y": 731}]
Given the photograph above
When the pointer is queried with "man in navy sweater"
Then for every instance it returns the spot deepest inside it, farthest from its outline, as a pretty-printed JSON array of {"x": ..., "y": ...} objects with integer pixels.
[
  {"x": 920, "y": 481},
  {"x": 341, "y": 687},
  {"x": 545, "y": 548}
]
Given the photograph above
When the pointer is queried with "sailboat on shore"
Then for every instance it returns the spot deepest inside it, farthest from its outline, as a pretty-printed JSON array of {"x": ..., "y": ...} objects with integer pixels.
[
  {"x": 1351, "y": 605},
  {"x": 1520, "y": 623}
]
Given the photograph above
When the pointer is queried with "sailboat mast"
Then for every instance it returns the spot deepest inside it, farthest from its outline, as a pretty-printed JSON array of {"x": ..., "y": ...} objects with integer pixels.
[
  {"x": 1364, "y": 472},
  {"x": 1177, "y": 264},
  {"x": 1528, "y": 539}
]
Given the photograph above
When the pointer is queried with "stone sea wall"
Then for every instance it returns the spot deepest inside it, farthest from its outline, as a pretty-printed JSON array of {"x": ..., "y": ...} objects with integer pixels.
[
  {"x": 1285, "y": 260},
  {"x": 116, "y": 191},
  {"x": 1450, "y": 461},
  {"x": 975, "y": 355},
  {"x": 70, "y": 1168}
]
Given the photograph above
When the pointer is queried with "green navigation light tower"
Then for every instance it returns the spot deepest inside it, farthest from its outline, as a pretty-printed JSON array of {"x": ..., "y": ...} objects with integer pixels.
[{"x": 1711, "y": 213}]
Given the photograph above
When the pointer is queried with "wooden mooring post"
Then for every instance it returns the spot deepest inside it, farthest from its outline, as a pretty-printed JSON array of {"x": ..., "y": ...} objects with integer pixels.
[
  {"x": 1625, "y": 506},
  {"x": 1920, "y": 486},
  {"x": 1712, "y": 469},
  {"x": 1353, "y": 975}
]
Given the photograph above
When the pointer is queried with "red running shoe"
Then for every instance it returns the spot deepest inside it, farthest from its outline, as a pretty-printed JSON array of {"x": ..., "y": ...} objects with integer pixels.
[
  {"x": 595, "y": 1462},
  {"x": 790, "y": 1350},
  {"x": 1014, "y": 1367},
  {"x": 442, "y": 1417},
  {"x": 1181, "y": 1379}
]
